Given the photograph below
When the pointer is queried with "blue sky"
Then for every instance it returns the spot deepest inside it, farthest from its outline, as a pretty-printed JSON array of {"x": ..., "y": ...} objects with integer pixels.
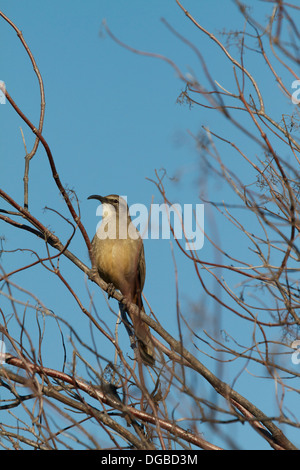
[{"x": 111, "y": 120}]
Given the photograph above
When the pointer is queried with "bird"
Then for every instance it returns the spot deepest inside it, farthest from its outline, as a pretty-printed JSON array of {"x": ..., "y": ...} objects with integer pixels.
[{"x": 118, "y": 254}]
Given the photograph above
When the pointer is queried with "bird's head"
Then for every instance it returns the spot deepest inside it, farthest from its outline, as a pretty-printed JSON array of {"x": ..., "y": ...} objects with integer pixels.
[{"x": 111, "y": 204}]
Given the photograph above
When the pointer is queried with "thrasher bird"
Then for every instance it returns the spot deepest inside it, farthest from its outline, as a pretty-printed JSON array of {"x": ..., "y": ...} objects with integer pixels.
[{"x": 118, "y": 253}]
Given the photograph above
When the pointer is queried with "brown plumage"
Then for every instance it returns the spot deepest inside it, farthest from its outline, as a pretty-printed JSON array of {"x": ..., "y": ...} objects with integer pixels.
[{"x": 119, "y": 256}]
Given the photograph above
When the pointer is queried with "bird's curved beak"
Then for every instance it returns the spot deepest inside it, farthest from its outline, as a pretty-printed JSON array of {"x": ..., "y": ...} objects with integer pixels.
[{"x": 99, "y": 198}]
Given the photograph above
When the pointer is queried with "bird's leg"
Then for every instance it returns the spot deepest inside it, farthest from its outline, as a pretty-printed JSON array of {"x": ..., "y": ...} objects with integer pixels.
[
  {"x": 94, "y": 272},
  {"x": 110, "y": 290},
  {"x": 110, "y": 287}
]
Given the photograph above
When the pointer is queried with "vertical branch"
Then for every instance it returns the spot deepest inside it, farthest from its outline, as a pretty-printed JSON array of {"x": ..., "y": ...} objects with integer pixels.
[{"x": 31, "y": 154}]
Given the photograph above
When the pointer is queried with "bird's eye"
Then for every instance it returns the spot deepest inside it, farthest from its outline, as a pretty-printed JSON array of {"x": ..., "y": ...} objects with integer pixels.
[{"x": 115, "y": 201}]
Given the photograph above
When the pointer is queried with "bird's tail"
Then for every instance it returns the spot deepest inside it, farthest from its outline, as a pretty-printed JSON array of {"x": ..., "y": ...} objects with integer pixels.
[{"x": 143, "y": 335}]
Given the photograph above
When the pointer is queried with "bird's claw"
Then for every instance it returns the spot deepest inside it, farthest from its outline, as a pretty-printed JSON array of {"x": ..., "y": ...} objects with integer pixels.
[{"x": 110, "y": 290}]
